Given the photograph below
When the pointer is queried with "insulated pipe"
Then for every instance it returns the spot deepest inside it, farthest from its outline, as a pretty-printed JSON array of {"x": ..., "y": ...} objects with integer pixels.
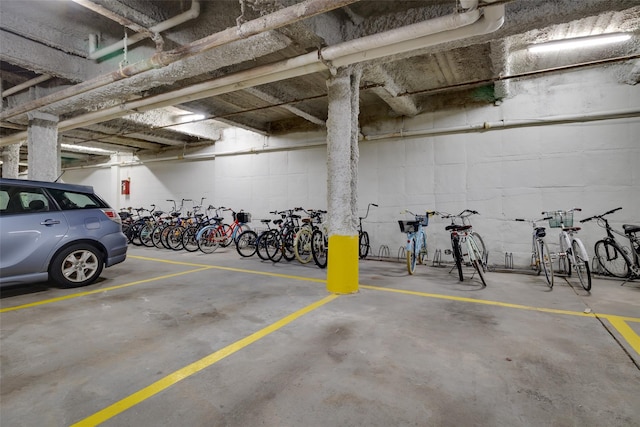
[
  {"x": 192, "y": 13},
  {"x": 281, "y": 18},
  {"x": 25, "y": 85},
  {"x": 451, "y": 27},
  {"x": 115, "y": 17}
]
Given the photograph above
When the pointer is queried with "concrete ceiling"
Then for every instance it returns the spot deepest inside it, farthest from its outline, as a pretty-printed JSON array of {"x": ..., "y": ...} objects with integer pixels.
[{"x": 220, "y": 65}]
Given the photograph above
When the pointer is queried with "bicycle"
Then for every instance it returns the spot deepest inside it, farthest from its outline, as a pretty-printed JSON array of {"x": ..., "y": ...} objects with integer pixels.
[
  {"x": 416, "y": 249},
  {"x": 616, "y": 259},
  {"x": 573, "y": 254},
  {"x": 540, "y": 255},
  {"x": 463, "y": 237},
  {"x": 302, "y": 243},
  {"x": 220, "y": 234},
  {"x": 363, "y": 236},
  {"x": 248, "y": 241}
]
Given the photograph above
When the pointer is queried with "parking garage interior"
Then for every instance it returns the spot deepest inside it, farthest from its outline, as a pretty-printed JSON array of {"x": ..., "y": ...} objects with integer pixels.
[{"x": 261, "y": 106}]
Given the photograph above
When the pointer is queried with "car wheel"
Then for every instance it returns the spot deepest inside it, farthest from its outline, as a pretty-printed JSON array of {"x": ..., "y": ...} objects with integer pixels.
[{"x": 77, "y": 265}]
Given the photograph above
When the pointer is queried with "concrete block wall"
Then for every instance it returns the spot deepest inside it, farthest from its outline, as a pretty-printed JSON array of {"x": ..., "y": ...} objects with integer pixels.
[{"x": 447, "y": 164}]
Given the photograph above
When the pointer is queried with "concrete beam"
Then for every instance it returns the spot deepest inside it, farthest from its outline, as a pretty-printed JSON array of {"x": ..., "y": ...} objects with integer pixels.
[
  {"x": 389, "y": 91},
  {"x": 174, "y": 119},
  {"x": 275, "y": 100}
]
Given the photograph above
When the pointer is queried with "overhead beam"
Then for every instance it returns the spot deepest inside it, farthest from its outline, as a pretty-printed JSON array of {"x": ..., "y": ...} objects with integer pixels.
[
  {"x": 294, "y": 110},
  {"x": 389, "y": 89},
  {"x": 174, "y": 119}
]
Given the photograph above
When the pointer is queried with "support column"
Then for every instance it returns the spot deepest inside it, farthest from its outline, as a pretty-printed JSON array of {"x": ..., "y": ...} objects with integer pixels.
[
  {"x": 342, "y": 172},
  {"x": 11, "y": 161},
  {"x": 44, "y": 150}
]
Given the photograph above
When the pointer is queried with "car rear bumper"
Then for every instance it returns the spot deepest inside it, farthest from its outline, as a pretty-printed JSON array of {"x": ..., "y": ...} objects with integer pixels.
[{"x": 116, "y": 245}]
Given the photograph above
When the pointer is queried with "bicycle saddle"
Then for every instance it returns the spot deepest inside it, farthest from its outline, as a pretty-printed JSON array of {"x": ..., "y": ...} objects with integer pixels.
[
  {"x": 629, "y": 228},
  {"x": 457, "y": 227},
  {"x": 265, "y": 221}
]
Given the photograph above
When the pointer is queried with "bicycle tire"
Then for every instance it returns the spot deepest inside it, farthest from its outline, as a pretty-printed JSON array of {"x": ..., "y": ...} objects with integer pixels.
[
  {"x": 261, "y": 245},
  {"x": 613, "y": 259},
  {"x": 189, "y": 242},
  {"x": 482, "y": 248},
  {"x": 288, "y": 252},
  {"x": 246, "y": 244},
  {"x": 134, "y": 231},
  {"x": 363, "y": 245},
  {"x": 319, "y": 248},
  {"x": 274, "y": 244},
  {"x": 302, "y": 245},
  {"x": 156, "y": 234},
  {"x": 477, "y": 264},
  {"x": 546, "y": 263},
  {"x": 225, "y": 236},
  {"x": 146, "y": 233},
  {"x": 412, "y": 257},
  {"x": 174, "y": 240},
  {"x": 582, "y": 268},
  {"x": 209, "y": 239},
  {"x": 457, "y": 256}
]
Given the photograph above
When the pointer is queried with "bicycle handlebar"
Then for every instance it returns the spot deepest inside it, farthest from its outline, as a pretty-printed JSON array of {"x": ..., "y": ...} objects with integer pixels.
[{"x": 600, "y": 216}]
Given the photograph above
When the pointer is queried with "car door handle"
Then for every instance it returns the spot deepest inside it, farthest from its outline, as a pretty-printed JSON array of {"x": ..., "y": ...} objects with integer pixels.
[{"x": 50, "y": 222}]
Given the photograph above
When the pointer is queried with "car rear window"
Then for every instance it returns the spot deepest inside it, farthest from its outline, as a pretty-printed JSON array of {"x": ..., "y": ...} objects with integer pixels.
[{"x": 68, "y": 200}]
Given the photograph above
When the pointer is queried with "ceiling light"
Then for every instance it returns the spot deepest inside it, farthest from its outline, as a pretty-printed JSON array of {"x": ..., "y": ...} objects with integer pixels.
[
  {"x": 579, "y": 42},
  {"x": 88, "y": 150}
]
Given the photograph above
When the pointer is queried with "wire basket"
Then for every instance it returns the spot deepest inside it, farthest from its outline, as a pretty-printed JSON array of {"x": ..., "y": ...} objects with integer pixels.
[
  {"x": 243, "y": 217},
  {"x": 561, "y": 218},
  {"x": 408, "y": 226}
]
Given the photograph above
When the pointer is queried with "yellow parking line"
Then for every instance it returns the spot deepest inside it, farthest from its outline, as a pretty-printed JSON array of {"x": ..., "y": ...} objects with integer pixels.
[
  {"x": 187, "y": 371},
  {"x": 97, "y": 291},
  {"x": 237, "y": 270},
  {"x": 625, "y": 330}
]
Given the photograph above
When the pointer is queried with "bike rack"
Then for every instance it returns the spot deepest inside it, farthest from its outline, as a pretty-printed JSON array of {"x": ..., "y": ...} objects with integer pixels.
[
  {"x": 437, "y": 258},
  {"x": 597, "y": 267},
  {"x": 383, "y": 252},
  {"x": 508, "y": 260},
  {"x": 402, "y": 253}
]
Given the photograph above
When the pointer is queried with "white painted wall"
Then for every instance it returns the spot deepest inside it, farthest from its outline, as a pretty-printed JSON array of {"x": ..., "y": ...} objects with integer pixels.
[{"x": 503, "y": 174}]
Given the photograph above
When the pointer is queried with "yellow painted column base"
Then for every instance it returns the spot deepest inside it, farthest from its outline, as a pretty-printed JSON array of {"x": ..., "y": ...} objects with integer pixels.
[{"x": 342, "y": 265}]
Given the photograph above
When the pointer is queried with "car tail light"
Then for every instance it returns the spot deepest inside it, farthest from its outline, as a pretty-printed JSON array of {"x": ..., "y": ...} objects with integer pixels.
[{"x": 112, "y": 215}]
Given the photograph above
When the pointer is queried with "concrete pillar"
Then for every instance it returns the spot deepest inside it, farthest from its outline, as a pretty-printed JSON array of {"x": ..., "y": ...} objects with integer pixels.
[
  {"x": 342, "y": 171},
  {"x": 11, "y": 160},
  {"x": 44, "y": 150}
]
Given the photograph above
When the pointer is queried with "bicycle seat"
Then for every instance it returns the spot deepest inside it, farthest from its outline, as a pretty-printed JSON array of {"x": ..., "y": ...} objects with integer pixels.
[
  {"x": 175, "y": 214},
  {"x": 265, "y": 221},
  {"x": 571, "y": 228},
  {"x": 277, "y": 221},
  {"x": 457, "y": 227},
  {"x": 629, "y": 228}
]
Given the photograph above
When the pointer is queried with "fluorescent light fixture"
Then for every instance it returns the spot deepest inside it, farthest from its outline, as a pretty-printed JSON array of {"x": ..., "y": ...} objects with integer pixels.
[
  {"x": 579, "y": 42},
  {"x": 87, "y": 150}
]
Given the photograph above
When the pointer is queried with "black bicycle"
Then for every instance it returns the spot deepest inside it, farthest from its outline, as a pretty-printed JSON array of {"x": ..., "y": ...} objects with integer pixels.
[
  {"x": 363, "y": 237},
  {"x": 616, "y": 259}
]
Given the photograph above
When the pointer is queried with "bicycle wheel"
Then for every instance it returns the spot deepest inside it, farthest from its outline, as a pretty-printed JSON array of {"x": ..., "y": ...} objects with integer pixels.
[
  {"x": 274, "y": 246},
  {"x": 261, "y": 245},
  {"x": 477, "y": 264},
  {"x": 412, "y": 257},
  {"x": 225, "y": 236},
  {"x": 319, "y": 248},
  {"x": 146, "y": 235},
  {"x": 482, "y": 248},
  {"x": 209, "y": 240},
  {"x": 156, "y": 235},
  {"x": 582, "y": 267},
  {"x": 189, "y": 242},
  {"x": 288, "y": 251},
  {"x": 246, "y": 244},
  {"x": 457, "y": 255},
  {"x": 613, "y": 259},
  {"x": 546, "y": 263},
  {"x": 174, "y": 240},
  {"x": 363, "y": 248},
  {"x": 302, "y": 245}
]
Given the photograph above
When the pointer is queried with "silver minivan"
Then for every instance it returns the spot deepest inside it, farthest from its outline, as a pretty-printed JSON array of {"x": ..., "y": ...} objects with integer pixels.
[{"x": 55, "y": 231}]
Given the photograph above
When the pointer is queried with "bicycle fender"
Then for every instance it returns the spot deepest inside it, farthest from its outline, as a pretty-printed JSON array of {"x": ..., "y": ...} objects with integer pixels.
[{"x": 581, "y": 248}]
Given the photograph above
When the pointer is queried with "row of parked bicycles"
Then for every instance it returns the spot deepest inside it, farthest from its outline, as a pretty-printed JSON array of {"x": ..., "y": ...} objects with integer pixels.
[{"x": 467, "y": 247}]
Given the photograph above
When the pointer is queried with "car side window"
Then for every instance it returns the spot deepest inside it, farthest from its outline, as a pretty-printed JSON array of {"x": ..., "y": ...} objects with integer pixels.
[
  {"x": 69, "y": 200},
  {"x": 22, "y": 200}
]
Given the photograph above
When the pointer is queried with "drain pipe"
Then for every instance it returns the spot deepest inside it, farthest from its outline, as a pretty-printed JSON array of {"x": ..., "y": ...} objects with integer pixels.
[
  {"x": 192, "y": 13},
  {"x": 283, "y": 17},
  {"x": 429, "y": 33}
]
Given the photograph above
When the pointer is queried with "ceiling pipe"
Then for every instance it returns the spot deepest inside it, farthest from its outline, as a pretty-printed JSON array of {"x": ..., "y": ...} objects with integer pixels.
[
  {"x": 26, "y": 85},
  {"x": 401, "y": 40},
  {"x": 288, "y": 15},
  {"x": 190, "y": 14}
]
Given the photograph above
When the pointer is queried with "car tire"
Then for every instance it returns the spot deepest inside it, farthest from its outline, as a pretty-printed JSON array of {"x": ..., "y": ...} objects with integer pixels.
[{"x": 78, "y": 265}]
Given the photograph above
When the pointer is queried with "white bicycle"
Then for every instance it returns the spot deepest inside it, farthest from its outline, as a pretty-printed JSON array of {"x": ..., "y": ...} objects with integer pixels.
[{"x": 572, "y": 255}]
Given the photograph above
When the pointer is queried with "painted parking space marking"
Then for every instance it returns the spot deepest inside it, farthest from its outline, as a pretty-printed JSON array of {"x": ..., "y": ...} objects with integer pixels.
[
  {"x": 195, "y": 367},
  {"x": 97, "y": 291}
]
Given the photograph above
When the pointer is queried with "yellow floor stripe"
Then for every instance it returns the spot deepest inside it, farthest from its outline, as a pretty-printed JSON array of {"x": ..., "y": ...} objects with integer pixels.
[
  {"x": 187, "y": 371},
  {"x": 237, "y": 270},
  {"x": 625, "y": 330},
  {"x": 97, "y": 291}
]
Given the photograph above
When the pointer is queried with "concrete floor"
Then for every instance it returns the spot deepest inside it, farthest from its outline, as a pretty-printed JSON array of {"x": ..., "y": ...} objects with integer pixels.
[{"x": 178, "y": 339}]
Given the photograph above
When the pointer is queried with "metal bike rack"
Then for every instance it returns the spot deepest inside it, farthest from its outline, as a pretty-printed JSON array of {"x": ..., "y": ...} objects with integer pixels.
[
  {"x": 402, "y": 253},
  {"x": 437, "y": 258},
  {"x": 508, "y": 260},
  {"x": 383, "y": 252}
]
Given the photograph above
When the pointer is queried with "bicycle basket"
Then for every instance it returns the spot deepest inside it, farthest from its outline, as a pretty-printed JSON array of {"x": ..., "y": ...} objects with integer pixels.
[
  {"x": 556, "y": 220},
  {"x": 243, "y": 217},
  {"x": 408, "y": 226}
]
